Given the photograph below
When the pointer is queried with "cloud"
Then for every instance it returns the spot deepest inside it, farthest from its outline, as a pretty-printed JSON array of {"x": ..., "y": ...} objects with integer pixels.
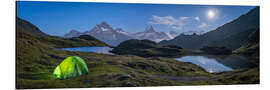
[
  {"x": 184, "y": 18},
  {"x": 203, "y": 25},
  {"x": 196, "y": 18},
  {"x": 175, "y": 23},
  {"x": 168, "y": 20}
]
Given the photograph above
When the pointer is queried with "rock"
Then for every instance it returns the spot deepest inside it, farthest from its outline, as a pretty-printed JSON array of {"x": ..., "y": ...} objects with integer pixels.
[
  {"x": 128, "y": 84},
  {"x": 112, "y": 63},
  {"x": 133, "y": 75},
  {"x": 87, "y": 80},
  {"x": 155, "y": 58},
  {"x": 56, "y": 57},
  {"x": 124, "y": 76},
  {"x": 92, "y": 58}
]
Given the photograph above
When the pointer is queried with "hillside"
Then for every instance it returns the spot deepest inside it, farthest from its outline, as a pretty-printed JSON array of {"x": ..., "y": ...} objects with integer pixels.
[
  {"x": 231, "y": 35},
  {"x": 27, "y": 32},
  {"x": 27, "y": 27},
  {"x": 252, "y": 46}
]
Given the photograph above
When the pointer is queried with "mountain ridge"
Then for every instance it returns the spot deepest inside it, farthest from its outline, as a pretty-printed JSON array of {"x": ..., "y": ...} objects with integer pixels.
[
  {"x": 26, "y": 32},
  {"x": 150, "y": 34},
  {"x": 246, "y": 22},
  {"x": 111, "y": 36}
]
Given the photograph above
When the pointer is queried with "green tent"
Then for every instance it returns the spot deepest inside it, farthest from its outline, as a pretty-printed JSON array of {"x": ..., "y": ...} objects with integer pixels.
[{"x": 73, "y": 66}]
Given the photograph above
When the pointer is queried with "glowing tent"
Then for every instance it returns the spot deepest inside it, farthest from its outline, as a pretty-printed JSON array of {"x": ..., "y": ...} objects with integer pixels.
[{"x": 73, "y": 66}]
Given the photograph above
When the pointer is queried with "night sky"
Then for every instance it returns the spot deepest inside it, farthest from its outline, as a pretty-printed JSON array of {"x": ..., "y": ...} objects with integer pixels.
[{"x": 58, "y": 18}]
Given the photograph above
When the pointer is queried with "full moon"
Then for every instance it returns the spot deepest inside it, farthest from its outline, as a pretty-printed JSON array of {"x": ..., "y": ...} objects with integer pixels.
[{"x": 211, "y": 14}]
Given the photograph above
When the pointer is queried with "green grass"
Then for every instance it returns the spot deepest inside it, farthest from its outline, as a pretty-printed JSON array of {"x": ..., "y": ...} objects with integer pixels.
[
  {"x": 104, "y": 70},
  {"x": 240, "y": 77}
]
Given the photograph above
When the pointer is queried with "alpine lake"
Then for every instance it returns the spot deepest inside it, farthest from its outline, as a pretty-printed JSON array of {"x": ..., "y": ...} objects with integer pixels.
[{"x": 211, "y": 63}]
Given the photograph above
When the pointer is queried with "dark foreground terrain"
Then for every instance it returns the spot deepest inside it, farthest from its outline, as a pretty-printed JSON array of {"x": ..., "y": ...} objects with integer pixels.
[{"x": 36, "y": 58}]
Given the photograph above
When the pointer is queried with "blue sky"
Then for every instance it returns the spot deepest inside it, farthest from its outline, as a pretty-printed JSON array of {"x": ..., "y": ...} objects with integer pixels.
[{"x": 58, "y": 18}]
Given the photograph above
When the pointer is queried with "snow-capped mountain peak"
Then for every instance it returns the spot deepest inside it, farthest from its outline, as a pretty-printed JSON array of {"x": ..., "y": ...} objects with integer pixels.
[
  {"x": 107, "y": 34},
  {"x": 149, "y": 29},
  {"x": 151, "y": 34},
  {"x": 100, "y": 28},
  {"x": 119, "y": 30},
  {"x": 104, "y": 25},
  {"x": 72, "y": 33},
  {"x": 104, "y": 29}
]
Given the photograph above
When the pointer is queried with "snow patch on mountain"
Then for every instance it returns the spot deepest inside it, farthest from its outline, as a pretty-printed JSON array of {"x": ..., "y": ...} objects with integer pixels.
[
  {"x": 151, "y": 34},
  {"x": 72, "y": 33},
  {"x": 104, "y": 29}
]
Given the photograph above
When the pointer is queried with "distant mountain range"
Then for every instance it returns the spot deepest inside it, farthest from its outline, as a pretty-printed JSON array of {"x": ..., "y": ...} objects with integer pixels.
[
  {"x": 72, "y": 33},
  {"x": 173, "y": 34},
  {"x": 151, "y": 34},
  {"x": 114, "y": 37},
  {"x": 231, "y": 35}
]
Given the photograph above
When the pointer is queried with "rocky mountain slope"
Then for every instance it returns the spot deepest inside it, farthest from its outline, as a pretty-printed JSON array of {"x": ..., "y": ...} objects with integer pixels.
[
  {"x": 231, "y": 35},
  {"x": 105, "y": 33}
]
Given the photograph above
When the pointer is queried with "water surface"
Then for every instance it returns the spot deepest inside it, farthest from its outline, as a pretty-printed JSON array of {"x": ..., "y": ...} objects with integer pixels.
[
  {"x": 216, "y": 63},
  {"x": 103, "y": 50}
]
